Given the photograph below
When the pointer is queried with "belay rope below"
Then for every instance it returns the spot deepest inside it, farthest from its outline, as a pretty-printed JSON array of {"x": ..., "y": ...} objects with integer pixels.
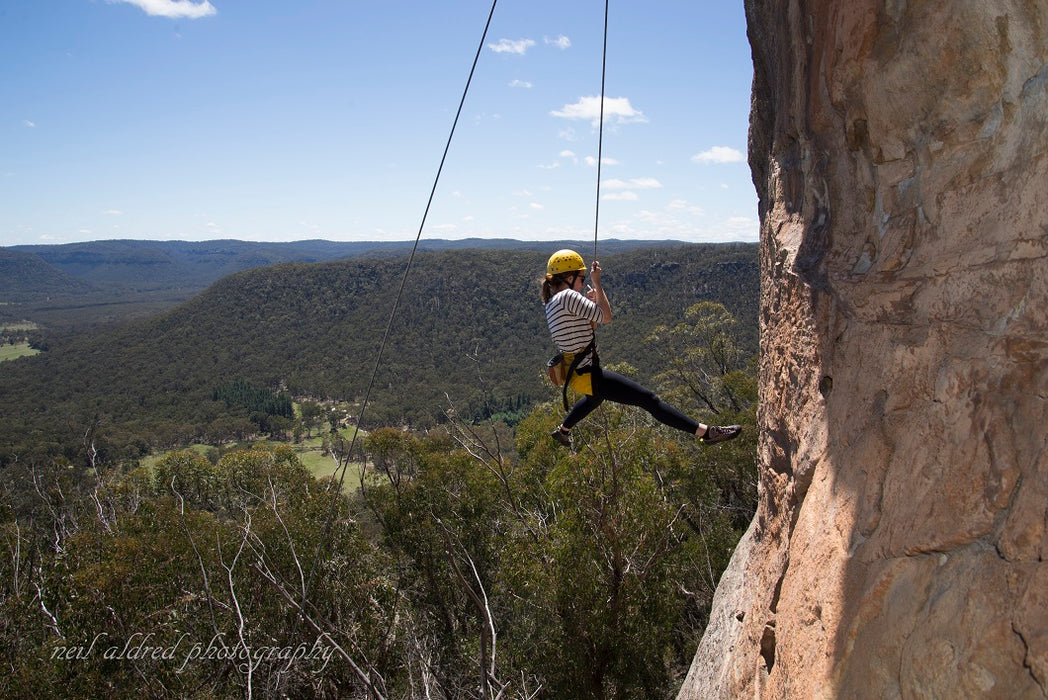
[
  {"x": 400, "y": 292},
  {"x": 336, "y": 494}
]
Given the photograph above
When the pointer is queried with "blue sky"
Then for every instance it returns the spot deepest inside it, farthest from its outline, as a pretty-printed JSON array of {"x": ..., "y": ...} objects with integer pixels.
[{"x": 278, "y": 120}]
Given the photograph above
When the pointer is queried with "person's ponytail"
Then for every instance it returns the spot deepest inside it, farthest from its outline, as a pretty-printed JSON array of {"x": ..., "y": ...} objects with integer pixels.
[{"x": 547, "y": 289}]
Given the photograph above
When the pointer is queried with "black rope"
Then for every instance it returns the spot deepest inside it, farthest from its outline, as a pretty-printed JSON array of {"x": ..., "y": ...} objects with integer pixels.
[
  {"x": 389, "y": 325},
  {"x": 600, "y": 129}
]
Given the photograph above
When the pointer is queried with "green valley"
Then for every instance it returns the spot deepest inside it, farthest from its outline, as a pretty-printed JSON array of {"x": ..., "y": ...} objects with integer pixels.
[{"x": 168, "y": 482}]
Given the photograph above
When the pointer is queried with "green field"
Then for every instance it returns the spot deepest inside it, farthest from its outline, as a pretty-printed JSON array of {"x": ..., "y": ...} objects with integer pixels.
[
  {"x": 309, "y": 452},
  {"x": 11, "y": 352},
  {"x": 323, "y": 465}
]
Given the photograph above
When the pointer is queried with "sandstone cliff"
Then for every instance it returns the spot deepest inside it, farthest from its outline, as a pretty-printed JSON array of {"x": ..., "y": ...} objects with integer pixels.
[{"x": 900, "y": 154}]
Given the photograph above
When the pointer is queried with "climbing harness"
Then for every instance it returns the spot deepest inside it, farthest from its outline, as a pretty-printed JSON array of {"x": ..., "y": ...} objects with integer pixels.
[{"x": 564, "y": 366}]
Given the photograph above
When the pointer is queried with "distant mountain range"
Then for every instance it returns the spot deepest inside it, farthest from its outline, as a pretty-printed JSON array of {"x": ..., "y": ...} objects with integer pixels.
[{"x": 83, "y": 283}]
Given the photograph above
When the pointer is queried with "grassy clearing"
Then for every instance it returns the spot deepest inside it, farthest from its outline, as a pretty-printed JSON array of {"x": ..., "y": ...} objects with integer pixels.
[
  {"x": 11, "y": 352},
  {"x": 149, "y": 461},
  {"x": 322, "y": 466},
  {"x": 310, "y": 452}
]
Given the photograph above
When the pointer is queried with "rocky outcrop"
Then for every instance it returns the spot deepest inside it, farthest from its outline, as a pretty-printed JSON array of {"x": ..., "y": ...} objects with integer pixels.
[{"x": 900, "y": 153}]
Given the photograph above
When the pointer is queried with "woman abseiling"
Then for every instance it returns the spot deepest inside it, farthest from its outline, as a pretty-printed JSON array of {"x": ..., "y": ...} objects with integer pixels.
[{"x": 573, "y": 317}]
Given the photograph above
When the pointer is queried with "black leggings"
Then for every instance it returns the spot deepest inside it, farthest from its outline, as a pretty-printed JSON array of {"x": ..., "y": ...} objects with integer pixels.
[{"x": 615, "y": 387}]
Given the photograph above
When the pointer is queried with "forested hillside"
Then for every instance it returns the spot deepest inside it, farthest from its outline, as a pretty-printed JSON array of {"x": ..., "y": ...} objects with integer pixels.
[
  {"x": 469, "y": 330},
  {"x": 24, "y": 276},
  {"x": 78, "y": 284}
]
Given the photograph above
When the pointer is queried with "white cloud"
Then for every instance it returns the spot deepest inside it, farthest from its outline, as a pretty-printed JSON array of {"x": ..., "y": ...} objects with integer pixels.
[
  {"x": 592, "y": 161},
  {"x": 174, "y": 9},
  {"x": 626, "y": 196},
  {"x": 567, "y": 134},
  {"x": 536, "y": 205},
  {"x": 520, "y": 83},
  {"x": 682, "y": 205},
  {"x": 518, "y": 46},
  {"x": 637, "y": 183},
  {"x": 31, "y": 125},
  {"x": 561, "y": 42},
  {"x": 743, "y": 228},
  {"x": 484, "y": 116},
  {"x": 112, "y": 212},
  {"x": 719, "y": 154},
  {"x": 588, "y": 108}
]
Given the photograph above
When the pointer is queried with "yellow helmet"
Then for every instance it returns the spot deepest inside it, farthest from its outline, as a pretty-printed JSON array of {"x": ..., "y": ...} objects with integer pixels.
[{"x": 564, "y": 261}]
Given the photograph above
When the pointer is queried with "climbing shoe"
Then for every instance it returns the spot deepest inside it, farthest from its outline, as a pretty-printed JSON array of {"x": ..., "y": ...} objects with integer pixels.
[
  {"x": 720, "y": 433},
  {"x": 561, "y": 437}
]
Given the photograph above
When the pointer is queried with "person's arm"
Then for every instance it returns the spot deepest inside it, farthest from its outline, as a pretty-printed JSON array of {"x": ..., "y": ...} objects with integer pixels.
[{"x": 596, "y": 294}]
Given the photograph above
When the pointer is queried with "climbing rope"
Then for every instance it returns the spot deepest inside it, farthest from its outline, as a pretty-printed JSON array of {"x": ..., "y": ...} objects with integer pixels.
[
  {"x": 600, "y": 128},
  {"x": 392, "y": 315},
  {"x": 336, "y": 494}
]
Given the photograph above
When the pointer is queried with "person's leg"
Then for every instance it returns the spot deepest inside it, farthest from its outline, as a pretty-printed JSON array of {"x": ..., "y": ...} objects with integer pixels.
[
  {"x": 582, "y": 408},
  {"x": 615, "y": 387},
  {"x": 620, "y": 389}
]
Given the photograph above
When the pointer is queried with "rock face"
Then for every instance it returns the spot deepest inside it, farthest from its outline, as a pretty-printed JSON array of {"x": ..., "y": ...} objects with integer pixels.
[{"x": 900, "y": 153}]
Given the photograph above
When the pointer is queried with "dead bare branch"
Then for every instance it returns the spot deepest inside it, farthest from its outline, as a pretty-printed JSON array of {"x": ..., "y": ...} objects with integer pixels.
[
  {"x": 263, "y": 570},
  {"x": 200, "y": 559}
]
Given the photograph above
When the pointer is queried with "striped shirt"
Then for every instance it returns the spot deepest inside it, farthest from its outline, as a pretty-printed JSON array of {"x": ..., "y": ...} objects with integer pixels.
[{"x": 569, "y": 315}]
